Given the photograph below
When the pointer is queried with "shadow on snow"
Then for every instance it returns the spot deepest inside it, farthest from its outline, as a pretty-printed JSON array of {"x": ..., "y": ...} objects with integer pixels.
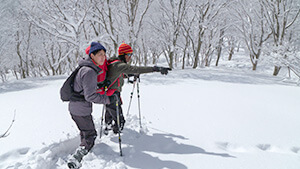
[
  {"x": 139, "y": 152},
  {"x": 139, "y": 147},
  {"x": 28, "y": 83}
]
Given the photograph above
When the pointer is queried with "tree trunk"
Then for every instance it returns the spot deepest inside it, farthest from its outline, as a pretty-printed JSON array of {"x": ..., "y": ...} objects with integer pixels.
[
  {"x": 183, "y": 60},
  {"x": 27, "y": 51},
  {"x": 22, "y": 71},
  {"x": 254, "y": 65},
  {"x": 145, "y": 58},
  {"x": 153, "y": 58},
  {"x": 218, "y": 57},
  {"x": 195, "y": 65},
  {"x": 171, "y": 58},
  {"x": 219, "y": 48},
  {"x": 238, "y": 47},
  {"x": 197, "y": 54},
  {"x": 231, "y": 52},
  {"x": 276, "y": 70}
]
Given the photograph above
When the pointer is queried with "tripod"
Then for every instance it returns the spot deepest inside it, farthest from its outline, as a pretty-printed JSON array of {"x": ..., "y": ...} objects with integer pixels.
[{"x": 135, "y": 81}]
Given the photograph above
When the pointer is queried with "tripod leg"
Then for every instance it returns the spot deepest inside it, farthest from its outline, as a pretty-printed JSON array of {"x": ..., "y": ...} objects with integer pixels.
[
  {"x": 103, "y": 110},
  {"x": 118, "y": 123},
  {"x": 131, "y": 94},
  {"x": 139, "y": 104}
]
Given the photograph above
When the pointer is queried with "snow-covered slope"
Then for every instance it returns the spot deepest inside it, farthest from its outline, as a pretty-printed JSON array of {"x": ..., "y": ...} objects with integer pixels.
[{"x": 205, "y": 118}]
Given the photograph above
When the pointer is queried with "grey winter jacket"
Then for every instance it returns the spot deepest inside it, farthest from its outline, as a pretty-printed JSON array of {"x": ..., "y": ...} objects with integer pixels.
[{"x": 86, "y": 81}]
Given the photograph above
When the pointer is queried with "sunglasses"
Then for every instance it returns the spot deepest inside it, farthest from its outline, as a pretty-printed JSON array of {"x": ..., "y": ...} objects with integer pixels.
[{"x": 129, "y": 54}]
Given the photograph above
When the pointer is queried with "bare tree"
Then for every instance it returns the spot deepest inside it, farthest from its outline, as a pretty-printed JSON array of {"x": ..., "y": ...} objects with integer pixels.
[
  {"x": 281, "y": 16},
  {"x": 170, "y": 24},
  {"x": 220, "y": 44},
  {"x": 63, "y": 20},
  {"x": 47, "y": 37},
  {"x": 6, "y": 133},
  {"x": 231, "y": 43},
  {"x": 252, "y": 28},
  {"x": 135, "y": 24},
  {"x": 104, "y": 18},
  {"x": 205, "y": 30}
]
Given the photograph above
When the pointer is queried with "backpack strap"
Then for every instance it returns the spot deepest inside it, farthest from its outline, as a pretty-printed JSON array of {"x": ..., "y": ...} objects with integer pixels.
[
  {"x": 117, "y": 79},
  {"x": 79, "y": 67},
  {"x": 109, "y": 63},
  {"x": 103, "y": 90}
]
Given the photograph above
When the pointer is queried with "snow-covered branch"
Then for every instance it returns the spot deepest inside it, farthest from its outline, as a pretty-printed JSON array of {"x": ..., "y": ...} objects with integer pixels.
[{"x": 6, "y": 133}]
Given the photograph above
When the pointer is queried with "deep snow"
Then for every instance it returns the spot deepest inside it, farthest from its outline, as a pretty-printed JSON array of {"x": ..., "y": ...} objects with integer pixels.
[{"x": 205, "y": 118}]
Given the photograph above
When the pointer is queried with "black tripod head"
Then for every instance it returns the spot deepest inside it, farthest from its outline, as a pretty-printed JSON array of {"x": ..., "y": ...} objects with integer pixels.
[{"x": 135, "y": 78}]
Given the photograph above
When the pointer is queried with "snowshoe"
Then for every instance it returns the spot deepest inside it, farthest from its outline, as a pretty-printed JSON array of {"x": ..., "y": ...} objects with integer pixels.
[
  {"x": 74, "y": 161},
  {"x": 106, "y": 131},
  {"x": 107, "y": 128},
  {"x": 74, "y": 164},
  {"x": 116, "y": 129}
]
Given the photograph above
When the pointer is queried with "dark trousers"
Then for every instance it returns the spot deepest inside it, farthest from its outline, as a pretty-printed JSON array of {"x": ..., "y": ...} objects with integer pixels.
[
  {"x": 111, "y": 112},
  {"x": 88, "y": 133}
]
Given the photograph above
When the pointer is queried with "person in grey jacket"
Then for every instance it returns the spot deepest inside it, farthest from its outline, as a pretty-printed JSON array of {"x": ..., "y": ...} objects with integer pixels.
[{"x": 85, "y": 82}]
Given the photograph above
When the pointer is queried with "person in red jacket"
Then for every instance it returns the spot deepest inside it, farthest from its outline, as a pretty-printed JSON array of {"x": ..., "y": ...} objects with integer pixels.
[{"x": 117, "y": 69}]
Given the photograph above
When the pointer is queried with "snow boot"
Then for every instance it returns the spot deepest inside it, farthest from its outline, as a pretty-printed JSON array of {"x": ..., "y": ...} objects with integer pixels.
[
  {"x": 116, "y": 129},
  {"x": 74, "y": 161},
  {"x": 107, "y": 128}
]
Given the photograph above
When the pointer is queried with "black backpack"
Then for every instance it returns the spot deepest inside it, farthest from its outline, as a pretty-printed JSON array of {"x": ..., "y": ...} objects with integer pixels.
[{"x": 67, "y": 92}]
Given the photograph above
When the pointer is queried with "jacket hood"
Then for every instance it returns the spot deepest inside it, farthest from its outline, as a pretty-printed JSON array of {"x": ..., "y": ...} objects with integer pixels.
[{"x": 89, "y": 62}]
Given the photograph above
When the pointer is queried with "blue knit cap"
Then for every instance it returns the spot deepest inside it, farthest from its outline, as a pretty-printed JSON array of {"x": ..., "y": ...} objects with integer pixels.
[{"x": 95, "y": 46}]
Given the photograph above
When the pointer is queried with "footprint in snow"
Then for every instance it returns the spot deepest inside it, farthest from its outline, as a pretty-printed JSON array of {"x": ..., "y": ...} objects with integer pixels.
[
  {"x": 264, "y": 147},
  {"x": 295, "y": 149}
]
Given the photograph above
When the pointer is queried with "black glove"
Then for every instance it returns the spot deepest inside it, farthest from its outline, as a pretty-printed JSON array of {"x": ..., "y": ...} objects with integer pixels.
[
  {"x": 162, "y": 70},
  {"x": 112, "y": 99},
  {"x": 103, "y": 84}
]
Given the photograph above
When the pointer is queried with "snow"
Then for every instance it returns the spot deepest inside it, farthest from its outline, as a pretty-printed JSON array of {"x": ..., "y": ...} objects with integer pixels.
[{"x": 205, "y": 118}]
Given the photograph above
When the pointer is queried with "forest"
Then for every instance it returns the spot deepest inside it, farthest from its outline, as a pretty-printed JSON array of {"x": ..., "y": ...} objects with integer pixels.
[{"x": 48, "y": 37}]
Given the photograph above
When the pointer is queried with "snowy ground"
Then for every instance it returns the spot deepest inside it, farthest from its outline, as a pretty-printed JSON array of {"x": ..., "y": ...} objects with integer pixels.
[{"x": 205, "y": 118}]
